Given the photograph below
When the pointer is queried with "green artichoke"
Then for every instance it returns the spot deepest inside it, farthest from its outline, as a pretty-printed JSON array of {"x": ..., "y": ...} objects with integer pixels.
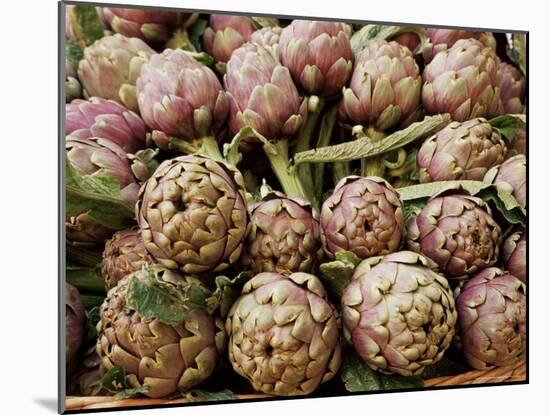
[
  {"x": 193, "y": 215},
  {"x": 111, "y": 66},
  {"x": 463, "y": 82},
  {"x": 384, "y": 89},
  {"x": 514, "y": 254},
  {"x": 124, "y": 253},
  {"x": 364, "y": 215},
  {"x": 73, "y": 89},
  {"x": 511, "y": 176},
  {"x": 75, "y": 318},
  {"x": 492, "y": 319},
  {"x": 512, "y": 88},
  {"x": 399, "y": 313},
  {"x": 457, "y": 232},
  {"x": 461, "y": 151},
  {"x": 284, "y": 334},
  {"x": 318, "y": 55},
  {"x": 161, "y": 357},
  {"x": 82, "y": 230},
  {"x": 283, "y": 237}
]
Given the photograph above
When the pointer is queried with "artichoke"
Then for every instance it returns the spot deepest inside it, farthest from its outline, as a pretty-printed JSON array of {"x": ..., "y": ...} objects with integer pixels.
[
  {"x": 492, "y": 319},
  {"x": 514, "y": 254},
  {"x": 225, "y": 34},
  {"x": 463, "y": 82},
  {"x": 384, "y": 90},
  {"x": 364, "y": 215},
  {"x": 512, "y": 88},
  {"x": 75, "y": 318},
  {"x": 179, "y": 97},
  {"x": 111, "y": 66},
  {"x": 284, "y": 334},
  {"x": 457, "y": 232},
  {"x": 267, "y": 37},
  {"x": 399, "y": 313},
  {"x": 83, "y": 230},
  {"x": 511, "y": 176},
  {"x": 192, "y": 214},
  {"x": 73, "y": 89},
  {"x": 318, "y": 55},
  {"x": 283, "y": 236},
  {"x": 164, "y": 358},
  {"x": 98, "y": 117},
  {"x": 124, "y": 253},
  {"x": 408, "y": 39},
  {"x": 443, "y": 39},
  {"x": 461, "y": 151}
]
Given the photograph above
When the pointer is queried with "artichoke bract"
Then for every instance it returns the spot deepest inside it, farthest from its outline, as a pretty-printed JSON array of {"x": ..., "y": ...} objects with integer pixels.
[
  {"x": 98, "y": 117},
  {"x": 75, "y": 318},
  {"x": 268, "y": 37},
  {"x": 463, "y": 82},
  {"x": 111, "y": 66},
  {"x": 193, "y": 215},
  {"x": 124, "y": 253},
  {"x": 179, "y": 97},
  {"x": 461, "y": 151},
  {"x": 83, "y": 230},
  {"x": 443, "y": 39},
  {"x": 514, "y": 254},
  {"x": 457, "y": 232},
  {"x": 512, "y": 88},
  {"x": 284, "y": 236},
  {"x": 511, "y": 176},
  {"x": 384, "y": 89},
  {"x": 399, "y": 313},
  {"x": 284, "y": 334},
  {"x": 225, "y": 34},
  {"x": 161, "y": 357},
  {"x": 364, "y": 215},
  {"x": 318, "y": 55},
  {"x": 492, "y": 319}
]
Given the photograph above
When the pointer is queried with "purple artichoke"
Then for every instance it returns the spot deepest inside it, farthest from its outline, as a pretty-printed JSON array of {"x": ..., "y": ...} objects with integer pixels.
[
  {"x": 364, "y": 215},
  {"x": 492, "y": 319},
  {"x": 463, "y": 82},
  {"x": 124, "y": 253},
  {"x": 84, "y": 231},
  {"x": 111, "y": 66},
  {"x": 511, "y": 176},
  {"x": 75, "y": 318},
  {"x": 284, "y": 236},
  {"x": 98, "y": 117},
  {"x": 318, "y": 55},
  {"x": 514, "y": 254},
  {"x": 267, "y": 37},
  {"x": 263, "y": 95},
  {"x": 512, "y": 88},
  {"x": 457, "y": 232},
  {"x": 461, "y": 151},
  {"x": 443, "y": 39},
  {"x": 179, "y": 97},
  {"x": 399, "y": 313},
  {"x": 384, "y": 90}
]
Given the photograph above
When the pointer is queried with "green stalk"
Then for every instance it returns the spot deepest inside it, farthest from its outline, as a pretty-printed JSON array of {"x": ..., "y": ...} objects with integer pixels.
[
  {"x": 373, "y": 166},
  {"x": 340, "y": 169},
  {"x": 82, "y": 256},
  {"x": 277, "y": 153},
  {"x": 209, "y": 147}
]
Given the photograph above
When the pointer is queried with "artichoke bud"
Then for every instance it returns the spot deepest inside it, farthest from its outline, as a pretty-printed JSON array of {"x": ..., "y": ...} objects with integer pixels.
[{"x": 202, "y": 119}]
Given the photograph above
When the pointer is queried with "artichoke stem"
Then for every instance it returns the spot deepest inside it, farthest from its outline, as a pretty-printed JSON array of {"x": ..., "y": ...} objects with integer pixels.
[
  {"x": 209, "y": 147},
  {"x": 279, "y": 163},
  {"x": 340, "y": 169},
  {"x": 374, "y": 166}
]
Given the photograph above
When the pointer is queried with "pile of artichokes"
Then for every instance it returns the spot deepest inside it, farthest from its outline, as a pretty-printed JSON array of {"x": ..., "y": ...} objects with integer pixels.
[{"x": 251, "y": 202}]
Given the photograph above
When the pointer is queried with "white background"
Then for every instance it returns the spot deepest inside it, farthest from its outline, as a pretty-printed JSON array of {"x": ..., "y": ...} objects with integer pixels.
[{"x": 28, "y": 204}]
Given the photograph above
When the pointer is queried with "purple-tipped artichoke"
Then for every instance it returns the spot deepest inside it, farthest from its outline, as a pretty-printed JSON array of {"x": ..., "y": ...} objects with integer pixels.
[
  {"x": 111, "y": 66},
  {"x": 263, "y": 95},
  {"x": 443, "y": 39},
  {"x": 124, "y": 253},
  {"x": 492, "y": 319},
  {"x": 399, "y": 313},
  {"x": 225, "y": 34},
  {"x": 511, "y": 176},
  {"x": 192, "y": 214},
  {"x": 83, "y": 230},
  {"x": 98, "y": 117},
  {"x": 384, "y": 90},
  {"x": 461, "y": 151},
  {"x": 463, "y": 82},
  {"x": 162, "y": 358},
  {"x": 364, "y": 215},
  {"x": 284, "y": 236},
  {"x": 318, "y": 55},
  {"x": 267, "y": 37},
  {"x": 514, "y": 255},
  {"x": 179, "y": 97},
  {"x": 457, "y": 232},
  {"x": 284, "y": 334},
  {"x": 153, "y": 26},
  {"x": 75, "y": 318},
  {"x": 512, "y": 88}
]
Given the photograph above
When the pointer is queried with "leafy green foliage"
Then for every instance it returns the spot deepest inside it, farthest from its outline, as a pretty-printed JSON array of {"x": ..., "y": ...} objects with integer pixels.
[
  {"x": 73, "y": 53},
  {"x": 375, "y": 31},
  {"x": 509, "y": 125},
  {"x": 115, "y": 382},
  {"x": 202, "y": 395},
  {"x": 337, "y": 274},
  {"x": 85, "y": 278},
  {"x": 86, "y": 24},
  {"x": 228, "y": 290}
]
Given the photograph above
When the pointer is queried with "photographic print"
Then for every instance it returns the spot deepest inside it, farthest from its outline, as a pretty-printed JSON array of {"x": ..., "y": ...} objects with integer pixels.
[{"x": 277, "y": 207}]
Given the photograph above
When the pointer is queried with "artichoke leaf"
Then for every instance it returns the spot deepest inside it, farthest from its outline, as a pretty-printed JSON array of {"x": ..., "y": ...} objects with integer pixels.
[
  {"x": 115, "y": 381},
  {"x": 375, "y": 31},
  {"x": 85, "y": 278},
  {"x": 197, "y": 395},
  {"x": 509, "y": 125},
  {"x": 228, "y": 290},
  {"x": 337, "y": 274},
  {"x": 86, "y": 24}
]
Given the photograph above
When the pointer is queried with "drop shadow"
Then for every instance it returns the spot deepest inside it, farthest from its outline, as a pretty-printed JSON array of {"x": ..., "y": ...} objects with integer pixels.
[{"x": 48, "y": 403}]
